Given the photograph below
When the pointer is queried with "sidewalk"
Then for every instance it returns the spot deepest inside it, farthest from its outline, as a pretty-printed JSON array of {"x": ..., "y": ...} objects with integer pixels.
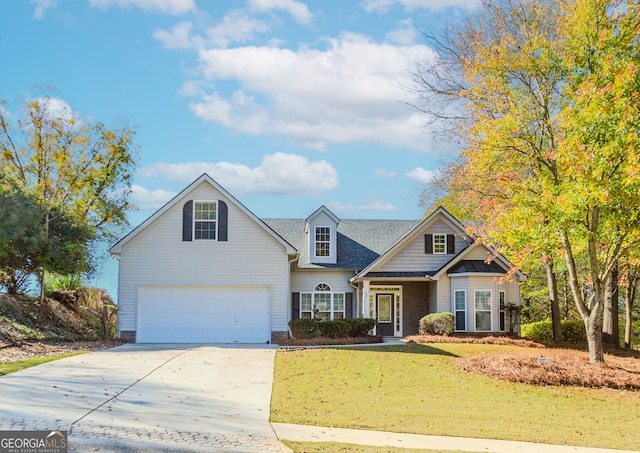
[{"x": 302, "y": 433}]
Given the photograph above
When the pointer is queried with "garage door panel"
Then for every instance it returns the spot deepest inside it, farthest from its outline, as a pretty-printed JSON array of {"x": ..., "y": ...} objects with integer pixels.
[{"x": 203, "y": 315}]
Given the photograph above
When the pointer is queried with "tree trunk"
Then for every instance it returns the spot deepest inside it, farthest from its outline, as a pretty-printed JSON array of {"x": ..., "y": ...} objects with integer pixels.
[
  {"x": 610, "y": 321},
  {"x": 552, "y": 284},
  {"x": 594, "y": 337},
  {"x": 630, "y": 295}
]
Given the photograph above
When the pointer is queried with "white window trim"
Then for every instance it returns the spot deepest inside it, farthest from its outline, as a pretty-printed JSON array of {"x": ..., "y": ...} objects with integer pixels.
[
  {"x": 464, "y": 310},
  {"x": 315, "y": 242},
  {"x": 475, "y": 310},
  {"x": 444, "y": 252},
  {"x": 193, "y": 228}
]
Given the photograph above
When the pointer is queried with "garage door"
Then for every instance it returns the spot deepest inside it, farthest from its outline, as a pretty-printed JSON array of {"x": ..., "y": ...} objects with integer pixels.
[{"x": 203, "y": 315}]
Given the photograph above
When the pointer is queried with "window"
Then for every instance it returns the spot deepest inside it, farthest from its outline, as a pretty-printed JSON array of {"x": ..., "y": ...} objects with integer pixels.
[
  {"x": 503, "y": 323},
  {"x": 439, "y": 243},
  {"x": 483, "y": 311},
  {"x": 461, "y": 311},
  {"x": 323, "y": 241},
  {"x": 322, "y": 303},
  {"x": 205, "y": 220}
]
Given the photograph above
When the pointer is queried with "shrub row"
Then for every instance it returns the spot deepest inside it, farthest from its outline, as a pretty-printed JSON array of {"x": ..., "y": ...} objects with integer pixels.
[
  {"x": 338, "y": 328},
  {"x": 437, "y": 324},
  {"x": 572, "y": 331}
]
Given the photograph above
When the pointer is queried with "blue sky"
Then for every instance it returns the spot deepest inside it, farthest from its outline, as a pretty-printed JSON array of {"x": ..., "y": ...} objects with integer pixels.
[{"x": 287, "y": 104}]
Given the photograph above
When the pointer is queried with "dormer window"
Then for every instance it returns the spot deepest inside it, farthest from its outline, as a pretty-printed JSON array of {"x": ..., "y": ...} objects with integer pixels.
[{"x": 322, "y": 241}]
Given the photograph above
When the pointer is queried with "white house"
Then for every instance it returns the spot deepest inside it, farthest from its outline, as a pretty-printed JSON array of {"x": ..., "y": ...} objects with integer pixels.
[{"x": 204, "y": 268}]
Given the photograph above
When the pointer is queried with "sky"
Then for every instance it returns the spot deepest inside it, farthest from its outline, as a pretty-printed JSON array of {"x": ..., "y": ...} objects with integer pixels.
[{"x": 287, "y": 104}]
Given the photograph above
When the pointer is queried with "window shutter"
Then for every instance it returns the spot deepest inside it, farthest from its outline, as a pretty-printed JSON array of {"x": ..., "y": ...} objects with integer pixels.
[
  {"x": 451, "y": 244},
  {"x": 295, "y": 305},
  {"x": 223, "y": 218},
  {"x": 348, "y": 309},
  {"x": 428, "y": 244},
  {"x": 187, "y": 221}
]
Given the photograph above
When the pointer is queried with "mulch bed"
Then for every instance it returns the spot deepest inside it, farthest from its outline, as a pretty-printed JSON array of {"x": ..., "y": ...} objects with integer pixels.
[
  {"x": 538, "y": 364},
  {"x": 30, "y": 349}
]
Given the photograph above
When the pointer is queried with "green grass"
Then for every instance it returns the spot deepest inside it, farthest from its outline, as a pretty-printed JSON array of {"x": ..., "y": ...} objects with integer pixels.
[
  {"x": 419, "y": 389},
  {"x": 8, "y": 368},
  {"x": 331, "y": 447}
]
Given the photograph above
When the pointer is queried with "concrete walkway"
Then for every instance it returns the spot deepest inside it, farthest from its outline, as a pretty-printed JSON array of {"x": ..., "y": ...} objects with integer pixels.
[{"x": 302, "y": 433}]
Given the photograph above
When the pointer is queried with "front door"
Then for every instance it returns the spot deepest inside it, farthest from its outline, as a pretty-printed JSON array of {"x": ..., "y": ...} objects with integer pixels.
[{"x": 384, "y": 314}]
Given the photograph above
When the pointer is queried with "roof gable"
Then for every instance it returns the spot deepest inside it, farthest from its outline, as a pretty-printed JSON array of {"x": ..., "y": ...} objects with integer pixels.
[{"x": 203, "y": 179}]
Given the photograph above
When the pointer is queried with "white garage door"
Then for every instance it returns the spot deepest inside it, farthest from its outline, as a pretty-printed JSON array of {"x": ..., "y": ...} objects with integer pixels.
[{"x": 203, "y": 315}]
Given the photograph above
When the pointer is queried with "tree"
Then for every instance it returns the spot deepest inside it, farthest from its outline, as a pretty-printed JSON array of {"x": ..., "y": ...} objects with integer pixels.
[
  {"x": 76, "y": 170},
  {"x": 551, "y": 138}
]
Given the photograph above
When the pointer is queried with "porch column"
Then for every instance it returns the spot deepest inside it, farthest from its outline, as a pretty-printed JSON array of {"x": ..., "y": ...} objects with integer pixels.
[{"x": 365, "y": 299}]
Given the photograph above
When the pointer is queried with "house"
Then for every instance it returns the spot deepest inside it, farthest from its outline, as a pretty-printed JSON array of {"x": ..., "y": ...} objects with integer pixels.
[{"x": 204, "y": 268}]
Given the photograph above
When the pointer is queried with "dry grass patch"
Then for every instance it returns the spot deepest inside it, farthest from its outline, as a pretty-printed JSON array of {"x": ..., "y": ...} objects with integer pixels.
[
  {"x": 326, "y": 341},
  {"x": 332, "y": 447}
]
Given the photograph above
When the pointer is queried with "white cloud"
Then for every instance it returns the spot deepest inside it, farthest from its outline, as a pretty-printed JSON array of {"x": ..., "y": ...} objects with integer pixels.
[
  {"x": 278, "y": 174},
  {"x": 41, "y": 6},
  {"x": 370, "y": 204},
  {"x": 298, "y": 10},
  {"x": 421, "y": 175},
  {"x": 150, "y": 199},
  {"x": 382, "y": 6},
  {"x": 172, "y": 7},
  {"x": 349, "y": 92},
  {"x": 384, "y": 173},
  {"x": 405, "y": 34}
]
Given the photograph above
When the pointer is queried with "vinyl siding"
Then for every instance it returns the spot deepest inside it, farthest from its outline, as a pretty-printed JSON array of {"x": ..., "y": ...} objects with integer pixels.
[
  {"x": 158, "y": 256},
  {"x": 412, "y": 257}
]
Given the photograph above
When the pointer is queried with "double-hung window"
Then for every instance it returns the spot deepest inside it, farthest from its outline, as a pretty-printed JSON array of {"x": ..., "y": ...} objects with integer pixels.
[
  {"x": 461, "y": 311},
  {"x": 205, "y": 220},
  {"x": 322, "y": 241},
  {"x": 503, "y": 321},
  {"x": 483, "y": 311},
  {"x": 440, "y": 243}
]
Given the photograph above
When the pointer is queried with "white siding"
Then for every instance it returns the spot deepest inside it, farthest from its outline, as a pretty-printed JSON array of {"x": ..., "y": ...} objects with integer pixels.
[
  {"x": 412, "y": 257},
  {"x": 478, "y": 253},
  {"x": 322, "y": 219},
  {"x": 304, "y": 281},
  {"x": 158, "y": 256},
  {"x": 444, "y": 295}
]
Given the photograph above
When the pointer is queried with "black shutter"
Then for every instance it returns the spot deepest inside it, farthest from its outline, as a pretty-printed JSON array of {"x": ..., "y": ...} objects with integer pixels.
[
  {"x": 223, "y": 218},
  {"x": 295, "y": 305},
  {"x": 451, "y": 244},
  {"x": 187, "y": 221},
  {"x": 428, "y": 244},
  {"x": 348, "y": 310}
]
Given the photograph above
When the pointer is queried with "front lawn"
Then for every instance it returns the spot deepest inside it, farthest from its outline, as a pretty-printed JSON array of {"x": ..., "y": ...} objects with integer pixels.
[
  {"x": 12, "y": 367},
  {"x": 420, "y": 389}
]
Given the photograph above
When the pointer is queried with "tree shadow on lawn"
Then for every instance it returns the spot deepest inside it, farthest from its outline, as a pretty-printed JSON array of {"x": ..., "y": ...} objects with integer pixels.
[{"x": 410, "y": 348}]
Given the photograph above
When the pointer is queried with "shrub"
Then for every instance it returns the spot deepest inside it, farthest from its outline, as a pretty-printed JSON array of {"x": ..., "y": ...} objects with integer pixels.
[
  {"x": 338, "y": 328},
  {"x": 572, "y": 331},
  {"x": 437, "y": 324},
  {"x": 304, "y": 328}
]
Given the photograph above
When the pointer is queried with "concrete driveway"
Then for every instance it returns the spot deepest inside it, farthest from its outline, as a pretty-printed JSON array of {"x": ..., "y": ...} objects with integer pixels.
[{"x": 149, "y": 398}]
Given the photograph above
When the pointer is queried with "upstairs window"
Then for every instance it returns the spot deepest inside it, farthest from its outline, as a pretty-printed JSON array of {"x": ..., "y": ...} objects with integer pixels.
[
  {"x": 322, "y": 242},
  {"x": 439, "y": 243},
  {"x": 205, "y": 220}
]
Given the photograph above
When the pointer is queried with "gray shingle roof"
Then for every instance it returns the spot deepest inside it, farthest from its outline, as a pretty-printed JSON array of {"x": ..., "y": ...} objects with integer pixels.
[
  {"x": 465, "y": 266},
  {"x": 360, "y": 241}
]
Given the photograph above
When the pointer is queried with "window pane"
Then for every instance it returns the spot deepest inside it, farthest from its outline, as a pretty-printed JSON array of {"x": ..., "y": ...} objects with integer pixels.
[
  {"x": 205, "y": 211},
  {"x": 305, "y": 302},
  {"x": 483, "y": 321},
  {"x": 502, "y": 300},
  {"x": 483, "y": 300},
  {"x": 460, "y": 302},
  {"x": 322, "y": 249},
  {"x": 384, "y": 309},
  {"x": 460, "y": 321},
  {"x": 338, "y": 302},
  {"x": 323, "y": 241},
  {"x": 205, "y": 230},
  {"x": 439, "y": 242},
  {"x": 323, "y": 302}
]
